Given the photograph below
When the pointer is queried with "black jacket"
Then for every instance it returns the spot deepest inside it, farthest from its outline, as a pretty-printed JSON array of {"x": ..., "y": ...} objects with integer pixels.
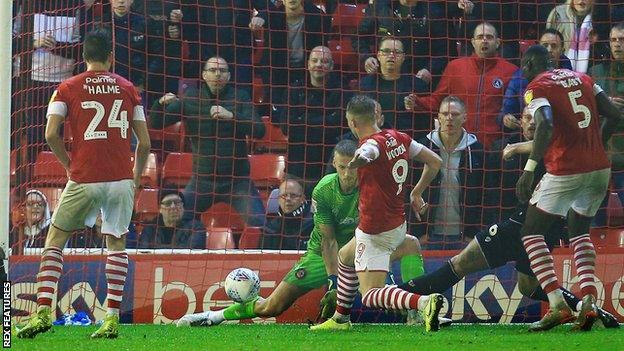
[
  {"x": 289, "y": 231},
  {"x": 189, "y": 234},
  {"x": 313, "y": 122},
  {"x": 219, "y": 146}
]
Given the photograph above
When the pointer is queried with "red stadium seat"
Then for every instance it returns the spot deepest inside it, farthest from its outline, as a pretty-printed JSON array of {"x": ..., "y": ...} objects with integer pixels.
[
  {"x": 615, "y": 212},
  {"x": 607, "y": 237},
  {"x": 13, "y": 166},
  {"x": 146, "y": 206},
  {"x": 250, "y": 238},
  {"x": 53, "y": 194},
  {"x": 258, "y": 90},
  {"x": 220, "y": 238},
  {"x": 222, "y": 215},
  {"x": 169, "y": 138},
  {"x": 343, "y": 54},
  {"x": 177, "y": 169},
  {"x": 347, "y": 18},
  {"x": 267, "y": 170},
  {"x": 149, "y": 178},
  {"x": 48, "y": 170},
  {"x": 273, "y": 140}
]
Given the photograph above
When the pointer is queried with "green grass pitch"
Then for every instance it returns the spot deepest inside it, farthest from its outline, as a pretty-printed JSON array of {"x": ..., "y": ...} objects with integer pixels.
[{"x": 298, "y": 337}]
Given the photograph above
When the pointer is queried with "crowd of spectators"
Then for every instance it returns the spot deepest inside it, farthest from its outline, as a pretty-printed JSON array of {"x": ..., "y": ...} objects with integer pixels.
[{"x": 444, "y": 72}]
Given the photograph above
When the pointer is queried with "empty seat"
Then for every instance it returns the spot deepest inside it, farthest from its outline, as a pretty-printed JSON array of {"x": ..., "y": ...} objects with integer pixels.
[
  {"x": 146, "y": 206},
  {"x": 177, "y": 169},
  {"x": 615, "y": 212},
  {"x": 169, "y": 138},
  {"x": 258, "y": 90},
  {"x": 48, "y": 170},
  {"x": 222, "y": 215},
  {"x": 347, "y": 18},
  {"x": 343, "y": 54},
  {"x": 267, "y": 170},
  {"x": 273, "y": 141},
  {"x": 218, "y": 238},
  {"x": 250, "y": 238},
  {"x": 149, "y": 177},
  {"x": 607, "y": 237}
]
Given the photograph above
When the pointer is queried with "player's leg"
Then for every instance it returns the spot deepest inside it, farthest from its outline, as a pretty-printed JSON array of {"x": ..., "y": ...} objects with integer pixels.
[
  {"x": 542, "y": 264},
  {"x": 412, "y": 266},
  {"x": 74, "y": 205},
  {"x": 582, "y": 211},
  {"x": 529, "y": 287},
  {"x": 306, "y": 275},
  {"x": 410, "y": 256},
  {"x": 117, "y": 200},
  {"x": 372, "y": 261},
  {"x": 469, "y": 260},
  {"x": 346, "y": 290}
]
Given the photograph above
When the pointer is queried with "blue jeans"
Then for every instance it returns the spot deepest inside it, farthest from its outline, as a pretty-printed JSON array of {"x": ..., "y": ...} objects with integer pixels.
[{"x": 241, "y": 194}]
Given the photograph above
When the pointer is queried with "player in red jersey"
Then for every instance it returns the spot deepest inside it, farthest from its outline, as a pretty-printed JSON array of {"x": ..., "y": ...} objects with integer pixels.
[
  {"x": 382, "y": 160},
  {"x": 102, "y": 109},
  {"x": 566, "y": 106}
]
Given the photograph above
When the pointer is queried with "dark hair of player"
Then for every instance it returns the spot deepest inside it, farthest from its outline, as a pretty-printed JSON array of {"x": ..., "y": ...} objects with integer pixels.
[
  {"x": 535, "y": 61},
  {"x": 362, "y": 107},
  {"x": 97, "y": 46},
  {"x": 346, "y": 148}
]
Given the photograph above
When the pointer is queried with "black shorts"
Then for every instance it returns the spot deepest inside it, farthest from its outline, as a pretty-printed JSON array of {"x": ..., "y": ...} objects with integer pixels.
[{"x": 501, "y": 243}]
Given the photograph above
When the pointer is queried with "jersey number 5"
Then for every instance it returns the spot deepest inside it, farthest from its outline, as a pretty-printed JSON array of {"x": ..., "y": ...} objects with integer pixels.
[
  {"x": 573, "y": 95},
  {"x": 113, "y": 122},
  {"x": 399, "y": 173}
]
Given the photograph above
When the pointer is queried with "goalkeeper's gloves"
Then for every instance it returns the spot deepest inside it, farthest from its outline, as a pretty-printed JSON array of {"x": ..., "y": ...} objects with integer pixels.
[
  {"x": 332, "y": 282},
  {"x": 328, "y": 302}
]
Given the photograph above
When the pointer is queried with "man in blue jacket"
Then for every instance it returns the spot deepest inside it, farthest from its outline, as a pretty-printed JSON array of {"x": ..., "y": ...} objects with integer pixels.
[{"x": 513, "y": 102}]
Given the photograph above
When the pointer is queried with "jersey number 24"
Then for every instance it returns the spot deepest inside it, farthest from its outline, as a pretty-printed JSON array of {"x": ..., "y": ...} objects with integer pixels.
[{"x": 116, "y": 119}]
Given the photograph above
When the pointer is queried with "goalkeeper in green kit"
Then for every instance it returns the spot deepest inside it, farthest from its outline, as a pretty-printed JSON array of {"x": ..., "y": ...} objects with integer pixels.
[{"x": 335, "y": 206}]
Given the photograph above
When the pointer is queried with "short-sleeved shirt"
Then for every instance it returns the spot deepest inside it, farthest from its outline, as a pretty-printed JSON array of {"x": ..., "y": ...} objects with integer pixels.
[
  {"x": 334, "y": 208},
  {"x": 576, "y": 146},
  {"x": 381, "y": 182},
  {"x": 98, "y": 107}
]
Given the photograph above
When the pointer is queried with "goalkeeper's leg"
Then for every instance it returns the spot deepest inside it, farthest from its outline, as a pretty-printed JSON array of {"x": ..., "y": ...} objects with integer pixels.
[{"x": 306, "y": 275}]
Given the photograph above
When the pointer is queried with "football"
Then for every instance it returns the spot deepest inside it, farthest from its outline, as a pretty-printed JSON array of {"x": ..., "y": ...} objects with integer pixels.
[{"x": 242, "y": 285}]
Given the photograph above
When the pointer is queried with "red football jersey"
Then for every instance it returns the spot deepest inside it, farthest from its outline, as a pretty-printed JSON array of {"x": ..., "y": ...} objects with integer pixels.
[
  {"x": 97, "y": 107},
  {"x": 576, "y": 145},
  {"x": 381, "y": 183}
]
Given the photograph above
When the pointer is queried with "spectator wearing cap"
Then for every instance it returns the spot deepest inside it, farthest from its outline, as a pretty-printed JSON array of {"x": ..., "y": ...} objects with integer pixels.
[{"x": 171, "y": 230}]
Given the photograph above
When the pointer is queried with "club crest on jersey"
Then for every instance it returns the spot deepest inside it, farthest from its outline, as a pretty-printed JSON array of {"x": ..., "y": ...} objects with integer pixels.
[
  {"x": 300, "y": 273},
  {"x": 528, "y": 96},
  {"x": 497, "y": 83}
]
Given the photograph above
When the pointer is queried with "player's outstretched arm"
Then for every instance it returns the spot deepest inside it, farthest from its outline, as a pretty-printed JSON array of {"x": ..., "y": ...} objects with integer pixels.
[
  {"x": 54, "y": 139},
  {"x": 612, "y": 115},
  {"x": 543, "y": 133},
  {"x": 142, "y": 150},
  {"x": 329, "y": 248},
  {"x": 432, "y": 162},
  {"x": 365, "y": 154}
]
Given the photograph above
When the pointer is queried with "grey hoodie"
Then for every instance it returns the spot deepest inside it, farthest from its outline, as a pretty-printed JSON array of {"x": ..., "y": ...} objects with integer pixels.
[{"x": 447, "y": 218}]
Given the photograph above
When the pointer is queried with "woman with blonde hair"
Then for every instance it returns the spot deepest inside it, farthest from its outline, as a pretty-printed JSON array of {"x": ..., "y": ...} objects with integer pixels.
[{"x": 574, "y": 20}]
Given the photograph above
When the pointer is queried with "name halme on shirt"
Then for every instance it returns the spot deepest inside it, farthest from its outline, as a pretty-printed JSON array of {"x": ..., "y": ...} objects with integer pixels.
[{"x": 101, "y": 89}]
